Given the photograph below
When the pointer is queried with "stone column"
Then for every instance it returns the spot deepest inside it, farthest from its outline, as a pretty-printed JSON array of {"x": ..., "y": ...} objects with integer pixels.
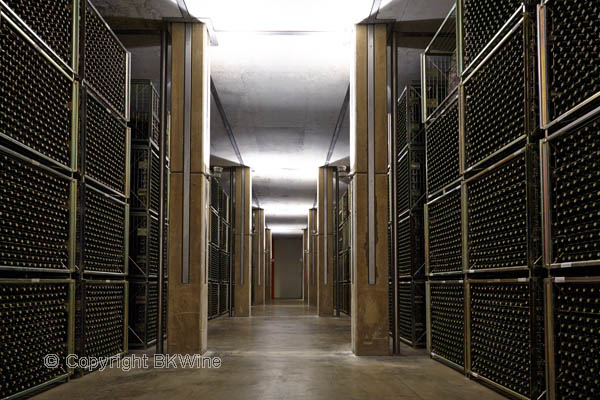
[
  {"x": 369, "y": 213},
  {"x": 189, "y": 204},
  {"x": 268, "y": 265},
  {"x": 258, "y": 257},
  {"x": 312, "y": 257},
  {"x": 242, "y": 254},
  {"x": 325, "y": 241},
  {"x": 305, "y": 266}
]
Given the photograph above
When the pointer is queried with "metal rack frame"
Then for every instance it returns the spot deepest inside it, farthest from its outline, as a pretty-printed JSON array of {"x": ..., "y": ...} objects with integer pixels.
[
  {"x": 427, "y": 206},
  {"x": 88, "y": 92},
  {"x": 529, "y": 91},
  {"x": 37, "y": 49},
  {"x": 530, "y": 156},
  {"x": 82, "y": 216},
  {"x": 432, "y": 51},
  {"x": 536, "y": 329},
  {"x": 418, "y": 316},
  {"x": 85, "y": 4},
  {"x": 154, "y": 97},
  {"x": 152, "y": 223},
  {"x": 72, "y": 206},
  {"x": 12, "y": 14},
  {"x": 411, "y": 116},
  {"x": 142, "y": 339},
  {"x": 550, "y": 337},
  {"x": 547, "y": 119},
  {"x": 145, "y": 199},
  {"x": 465, "y": 70},
  {"x": 81, "y": 307},
  {"x": 547, "y": 197},
  {"x": 440, "y": 111},
  {"x": 429, "y": 342},
  {"x": 70, "y": 332},
  {"x": 415, "y": 177}
]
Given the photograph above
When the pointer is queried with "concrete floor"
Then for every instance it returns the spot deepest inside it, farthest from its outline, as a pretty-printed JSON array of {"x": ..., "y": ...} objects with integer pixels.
[{"x": 283, "y": 352}]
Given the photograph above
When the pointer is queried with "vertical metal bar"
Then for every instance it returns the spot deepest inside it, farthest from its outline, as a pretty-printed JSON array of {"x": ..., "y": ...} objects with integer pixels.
[
  {"x": 550, "y": 361},
  {"x": 185, "y": 248},
  {"x": 467, "y": 327},
  {"x": 231, "y": 221},
  {"x": 542, "y": 47},
  {"x": 428, "y": 315},
  {"x": 325, "y": 225},
  {"x": 371, "y": 149},
  {"x": 243, "y": 222},
  {"x": 459, "y": 37},
  {"x": 546, "y": 202},
  {"x": 161, "y": 215},
  {"x": 424, "y": 87},
  {"x": 336, "y": 254},
  {"x": 393, "y": 154}
]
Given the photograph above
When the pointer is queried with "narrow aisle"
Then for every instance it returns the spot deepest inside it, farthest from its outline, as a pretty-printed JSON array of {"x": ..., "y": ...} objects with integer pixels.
[{"x": 283, "y": 352}]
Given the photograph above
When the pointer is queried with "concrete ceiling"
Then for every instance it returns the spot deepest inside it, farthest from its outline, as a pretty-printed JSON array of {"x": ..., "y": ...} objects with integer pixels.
[{"x": 282, "y": 94}]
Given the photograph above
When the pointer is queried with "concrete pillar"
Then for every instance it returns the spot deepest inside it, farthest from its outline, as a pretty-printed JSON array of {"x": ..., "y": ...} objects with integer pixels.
[
  {"x": 258, "y": 257},
  {"x": 268, "y": 265},
  {"x": 189, "y": 204},
  {"x": 312, "y": 257},
  {"x": 325, "y": 241},
  {"x": 305, "y": 266},
  {"x": 242, "y": 254},
  {"x": 368, "y": 163}
]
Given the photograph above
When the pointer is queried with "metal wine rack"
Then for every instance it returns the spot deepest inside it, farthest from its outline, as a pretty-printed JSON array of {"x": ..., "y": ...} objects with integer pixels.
[
  {"x": 145, "y": 179},
  {"x": 104, "y": 62},
  {"x": 145, "y": 112},
  {"x": 411, "y": 312},
  {"x": 143, "y": 313},
  {"x": 505, "y": 332},
  {"x": 443, "y": 245},
  {"x": 439, "y": 67},
  {"x": 104, "y": 145},
  {"x": 213, "y": 299},
  {"x": 498, "y": 99},
  {"x": 37, "y": 204},
  {"x": 409, "y": 118},
  {"x": 572, "y": 337},
  {"x": 44, "y": 128},
  {"x": 443, "y": 164},
  {"x": 501, "y": 217},
  {"x": 410, "y": 179},
  {"x": 52, "y": 23},
  {"x": 411, "y": 245},
  {"x": 571, "y": 196},
  {"x": 144, "y": 242},
  {"x": 103, "y": 232},
  {"x": 481, "y": 24},
  {"x": 568, "y": 51},
  {"x": 48, "y": 307},
  {"x": 445, "y": 301},
  {"x": 101, "y": 318}
]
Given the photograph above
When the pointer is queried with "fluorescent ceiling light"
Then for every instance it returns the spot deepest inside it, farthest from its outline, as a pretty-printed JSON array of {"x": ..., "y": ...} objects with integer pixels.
[
  {"x": 286, "y": 210},
  {"x": 281, "y": 15}
]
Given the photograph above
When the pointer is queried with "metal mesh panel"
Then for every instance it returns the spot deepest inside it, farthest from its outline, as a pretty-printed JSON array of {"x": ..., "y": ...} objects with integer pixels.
[
  {"x": 576, "y": 194},
  {"x": 35, "y": 322},
  {"x": 573, "y": 50},
  {"x": 155, "y": 182},
  {"x": 445, "y": 244},
  {"x": 34, "y": 223},
  {"x": 482, "y": 20},
  {"x": 36, "y": 98},
  {"x": 104, "y": 60},
  {"x": 495, "y": 101},
  {"x": 143, "y": 306},
  {"x": 51, "y": 20},
  {"x": 103, "y": 232},
  {"x": 101, "y": 319},
  {"x": 411, "y": 312},
  {"x": 447, "y": 321},
  {"x": 442, "y": 149},
  {"x": 144, "y": 245},
  {"x": 145, "y": 112},
  {"x": 497, "y": 217},
  {"x": 105, "y": 145},
  {"x": 576, "y": 317}
]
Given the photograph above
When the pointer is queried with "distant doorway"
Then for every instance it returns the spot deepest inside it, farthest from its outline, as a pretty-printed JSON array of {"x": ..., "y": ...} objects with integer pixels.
[{"x": 287, "y": 252}]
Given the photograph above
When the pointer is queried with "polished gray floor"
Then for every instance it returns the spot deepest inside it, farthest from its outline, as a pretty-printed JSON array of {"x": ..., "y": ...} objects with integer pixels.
[{"x": 283, "y": 352}]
